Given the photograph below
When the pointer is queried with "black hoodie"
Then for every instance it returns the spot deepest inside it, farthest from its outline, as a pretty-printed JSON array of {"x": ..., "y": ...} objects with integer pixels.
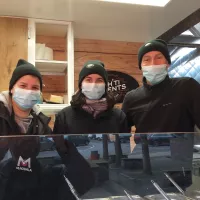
[
  {"x": 170, "y": 106},
  {"x": 40, "y": 182},
  {"x": 8, "y": 125}
]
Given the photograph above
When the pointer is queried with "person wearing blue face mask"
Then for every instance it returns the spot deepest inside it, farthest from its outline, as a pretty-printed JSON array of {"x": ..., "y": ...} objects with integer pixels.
[
  {"x": 162, "y": 104},
  {"x": 19, "y": 116},
  {"x": 92, "y": 106},
  {"x": 16, "y": 105}
]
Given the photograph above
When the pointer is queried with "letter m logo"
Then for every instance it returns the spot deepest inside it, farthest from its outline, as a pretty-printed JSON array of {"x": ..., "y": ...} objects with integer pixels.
[{"x": 24, "y": 163}]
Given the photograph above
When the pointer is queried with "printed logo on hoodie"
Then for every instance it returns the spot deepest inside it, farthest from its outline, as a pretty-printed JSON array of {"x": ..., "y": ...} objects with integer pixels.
[{"x": 24, "y": 165}]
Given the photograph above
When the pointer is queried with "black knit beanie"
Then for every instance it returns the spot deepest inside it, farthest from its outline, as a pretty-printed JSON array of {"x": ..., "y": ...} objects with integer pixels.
[
  {"x": 93, "y": 67},
  {"x": 24, "y": 68},
  {"x": 154, "y": 45}
]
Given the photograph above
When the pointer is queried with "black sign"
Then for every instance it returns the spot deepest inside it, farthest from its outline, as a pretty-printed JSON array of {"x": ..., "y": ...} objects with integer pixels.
[{"x": 120, "y": 83}]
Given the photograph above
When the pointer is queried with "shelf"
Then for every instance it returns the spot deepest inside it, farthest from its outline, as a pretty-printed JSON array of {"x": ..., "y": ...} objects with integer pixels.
[
  {"x": 59, "y": 30},
  {"x": 51, "y": 66},
  {"x": 49, "y": 109}
]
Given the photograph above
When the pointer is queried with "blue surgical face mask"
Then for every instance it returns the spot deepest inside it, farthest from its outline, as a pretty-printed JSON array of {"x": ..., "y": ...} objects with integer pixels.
[
  {"x": 93, "y": 91},
  {"x": 26, "y": 99},
  {"x": 155, "y": 73}
]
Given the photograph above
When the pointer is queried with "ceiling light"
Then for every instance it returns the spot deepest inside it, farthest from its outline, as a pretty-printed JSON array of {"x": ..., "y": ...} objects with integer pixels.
[{"x": 160, "y": 3}]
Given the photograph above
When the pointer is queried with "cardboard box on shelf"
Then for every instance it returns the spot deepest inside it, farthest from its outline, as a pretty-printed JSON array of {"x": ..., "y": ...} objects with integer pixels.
[{"x": 56, "y": 99}]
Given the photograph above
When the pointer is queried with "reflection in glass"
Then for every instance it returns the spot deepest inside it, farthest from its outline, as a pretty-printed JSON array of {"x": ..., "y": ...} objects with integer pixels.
[{"x": 100, "y": 166}]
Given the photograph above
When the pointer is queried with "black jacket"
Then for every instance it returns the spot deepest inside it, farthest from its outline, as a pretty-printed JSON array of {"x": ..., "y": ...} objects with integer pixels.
[
  {"x": 46, "y": 182},
  {"x": 77, "y": 121},
  {"x": 8, "y": 126},
  {"x": 171, "y": 106}
]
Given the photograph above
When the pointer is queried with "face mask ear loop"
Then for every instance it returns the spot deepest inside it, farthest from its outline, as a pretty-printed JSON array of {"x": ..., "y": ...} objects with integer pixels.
[{"x": 41, "y": 97}]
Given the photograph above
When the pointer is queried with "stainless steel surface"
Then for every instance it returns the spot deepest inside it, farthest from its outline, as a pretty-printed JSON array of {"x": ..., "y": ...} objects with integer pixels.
[
  {"x": 174, "y": 183},
  {"x": 160, "y": 190},
  {"x": 195, "y": 194},
  {"x": 134, "y": 197},
  {"x": 72, "y": 188},
  {"x": 177, "y": 186},
  {"x": 128, "y": 195},
  {"x": 172, "y": 196}
]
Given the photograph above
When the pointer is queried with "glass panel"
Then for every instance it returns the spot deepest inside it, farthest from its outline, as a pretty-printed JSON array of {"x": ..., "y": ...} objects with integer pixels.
[{"x": 100, "y": 166}]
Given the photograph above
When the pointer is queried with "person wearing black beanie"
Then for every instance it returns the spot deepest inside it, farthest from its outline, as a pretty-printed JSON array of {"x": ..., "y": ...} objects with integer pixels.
[
  {"x": 162, "y": 104},
  {"x": 154, "y": 60},
  {"x": 92, "y": 106},
  {"x": 24, "y": 68},
  {"x": 25, "y": 174},
  {"x": 93, "y": 67},
  {"x": 16, "y": 105},
  {"x": 154, "y": 45}
]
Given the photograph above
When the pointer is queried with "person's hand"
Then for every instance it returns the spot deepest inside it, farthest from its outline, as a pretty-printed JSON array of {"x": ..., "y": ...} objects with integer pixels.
[
  {"x": 63, "y": 146},
  {"x": 60, "y": 144}
]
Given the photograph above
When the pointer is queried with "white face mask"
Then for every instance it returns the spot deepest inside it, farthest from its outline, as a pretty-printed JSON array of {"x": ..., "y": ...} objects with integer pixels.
[
  {"x": 155, "y": 73},
  {"x": 93, "y": 91},
  {"x": 26, "y": 99}
]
